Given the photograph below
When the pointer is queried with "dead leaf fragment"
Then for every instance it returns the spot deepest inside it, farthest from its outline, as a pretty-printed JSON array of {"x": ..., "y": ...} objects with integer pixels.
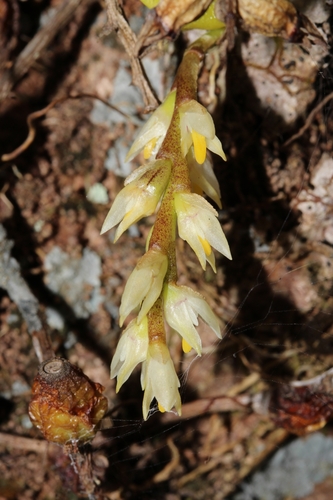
[
  {"x": 269, "y": 17},
  {"x": 282, "y": 74},
  {"x": 304, "y": 406},
  {"x": 174, "y": 14}
]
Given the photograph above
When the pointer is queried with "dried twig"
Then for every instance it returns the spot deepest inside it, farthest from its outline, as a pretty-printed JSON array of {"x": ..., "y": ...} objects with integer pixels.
[
  {"x": 80, "y": 462},
  {"x": 166, "y": 472},
  {"x": 9, "y": 29},
  {"x": 209, "y": 405},
  {"x": 129, "y": 40},
  {"x": 41, "y": 112},
  {"x": 38, "y": 44},
  {"x": 207, "y": 466},
  {"x": 18, "y": 290},
  {"x": 26, "y": 444},
  {"x": 309, "y": 119}
]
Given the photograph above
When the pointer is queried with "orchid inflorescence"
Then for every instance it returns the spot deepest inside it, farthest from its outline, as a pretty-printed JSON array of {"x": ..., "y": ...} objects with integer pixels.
[{"x": 175, "y": 139}]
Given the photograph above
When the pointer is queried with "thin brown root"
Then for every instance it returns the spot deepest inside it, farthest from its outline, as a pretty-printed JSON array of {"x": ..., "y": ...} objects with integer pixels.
[{"x": 38, "y": 114}]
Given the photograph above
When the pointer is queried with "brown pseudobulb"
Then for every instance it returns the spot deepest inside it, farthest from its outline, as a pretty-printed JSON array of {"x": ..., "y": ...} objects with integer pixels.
[{"x": 66, "y": 405}]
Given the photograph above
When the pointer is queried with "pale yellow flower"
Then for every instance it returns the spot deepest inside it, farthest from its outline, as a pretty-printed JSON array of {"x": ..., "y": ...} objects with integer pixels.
[
  {"x": 197, "y": 128},
  {"x": 198, "y": 225},
  {"x": 131, "y": 350},
  {"x": 203, "y": 179},
  {"x": 182, "y": 306},
  {"x": 144, "y": 285},
  {"x": 159, "y": 380},
  {"x": 140, "y": 196},
  {"x": 154, "y": 130}
]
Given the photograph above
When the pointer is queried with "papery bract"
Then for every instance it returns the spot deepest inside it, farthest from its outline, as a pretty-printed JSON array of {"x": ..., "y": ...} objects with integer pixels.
[
  {"x": 140, "y": 196},
  {"x": 144, "y": 284},
  {"x": 198, "y": 225},
  {"x": 131, "y": 350},
  {"x": 159, "y": 380},
  {"x": 182, "y": 306}
]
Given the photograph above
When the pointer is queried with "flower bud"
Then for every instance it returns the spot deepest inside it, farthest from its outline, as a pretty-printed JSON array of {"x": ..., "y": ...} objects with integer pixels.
[
  {"x": 144, "y": 285},
  {"x": 131, "y": 350}
]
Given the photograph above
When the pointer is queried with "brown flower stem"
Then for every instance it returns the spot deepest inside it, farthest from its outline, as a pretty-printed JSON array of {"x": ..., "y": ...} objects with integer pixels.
[
  {"x": 164, "y": 232},
  {"x": 156, "y": 330},
  {"x": 187, "y": 75}
]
